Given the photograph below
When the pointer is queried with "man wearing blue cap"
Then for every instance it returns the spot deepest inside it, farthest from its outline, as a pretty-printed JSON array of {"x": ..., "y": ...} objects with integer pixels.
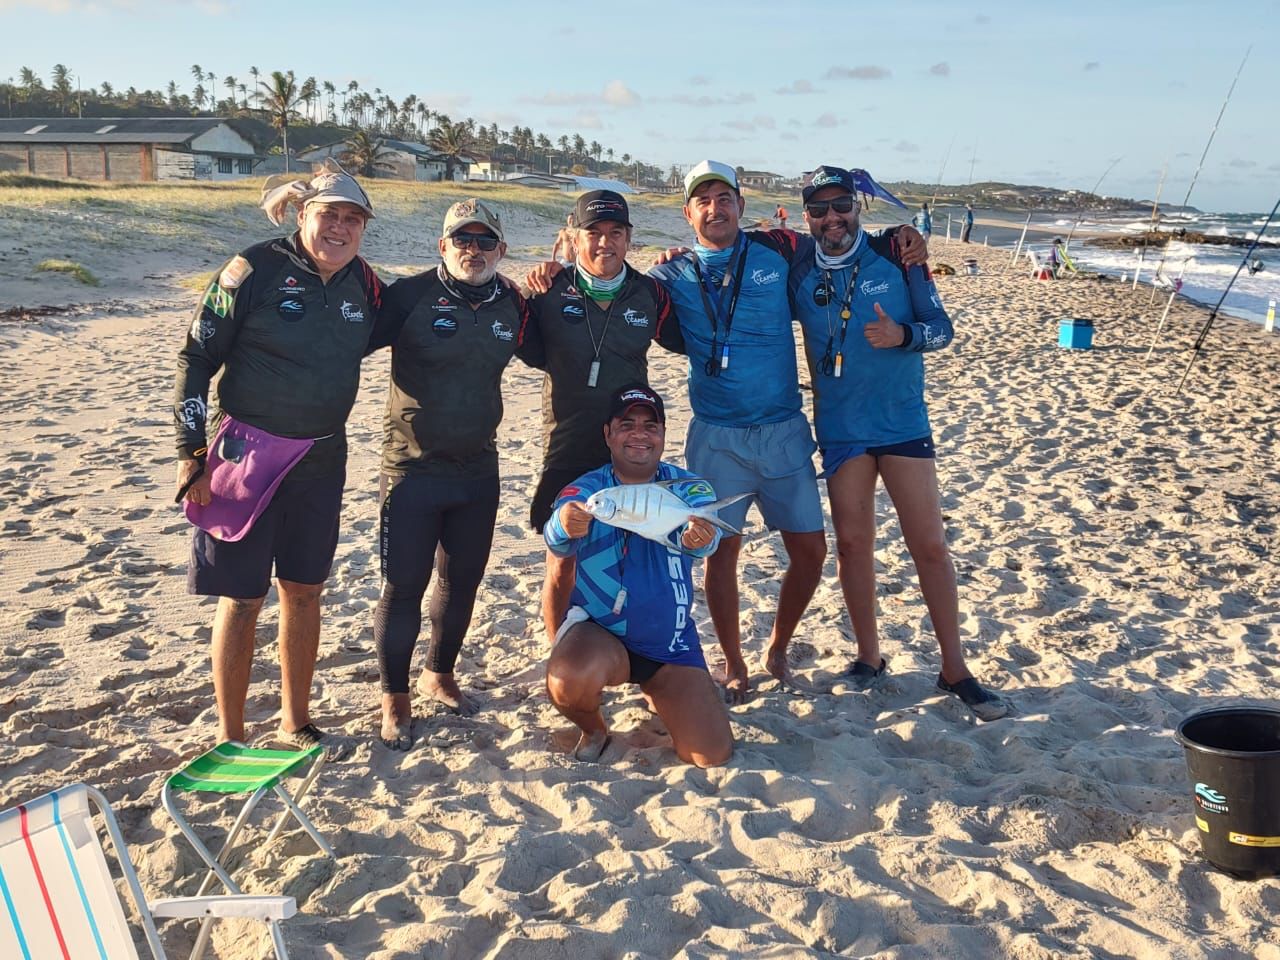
[{"x": 867, "y": 321}]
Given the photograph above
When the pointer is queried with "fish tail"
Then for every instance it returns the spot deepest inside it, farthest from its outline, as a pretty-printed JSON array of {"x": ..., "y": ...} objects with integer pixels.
[{"x": 711, "y": 511}]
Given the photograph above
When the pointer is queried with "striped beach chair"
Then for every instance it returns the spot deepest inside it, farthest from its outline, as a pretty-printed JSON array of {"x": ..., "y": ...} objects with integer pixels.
[
  {"x": 234, "y": 769},
  {"x": 58, "y": 900}
]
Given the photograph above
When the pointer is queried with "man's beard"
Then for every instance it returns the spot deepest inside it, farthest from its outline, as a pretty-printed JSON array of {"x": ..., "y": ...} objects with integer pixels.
[{"x": 833, "y": 246}]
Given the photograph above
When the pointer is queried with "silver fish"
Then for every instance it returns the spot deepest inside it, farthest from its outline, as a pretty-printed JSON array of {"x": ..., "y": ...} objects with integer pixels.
[{"x": 652, "y": 510}]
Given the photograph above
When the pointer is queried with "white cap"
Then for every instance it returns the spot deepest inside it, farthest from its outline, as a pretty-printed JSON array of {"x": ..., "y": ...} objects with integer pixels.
[{"x": 709, "y": 170}]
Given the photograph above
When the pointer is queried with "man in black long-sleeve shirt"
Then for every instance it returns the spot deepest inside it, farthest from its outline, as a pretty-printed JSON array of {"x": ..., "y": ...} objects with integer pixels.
[{"x": 287, "y": 323}]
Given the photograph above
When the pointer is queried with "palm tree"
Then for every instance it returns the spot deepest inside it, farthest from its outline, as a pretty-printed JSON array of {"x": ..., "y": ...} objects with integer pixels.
[
  {"x": 365, "y": 155},
  {"x": 579, "y": 146},
  {"x": 62, "y": 85},
  {"x": 230, "y": 83},
  {"x": 280, "y": 98},
  {"x": 108, "y": 92},
  {"x": 197, "y": 95},
  {"x": 197, "y": 71},
  {"x": 330, "y": 90},
  {"x": 257, "y": 94},
  {"x": 307, "y": 93},
  {"x": 450, "y": 140},
  {"x": 609, "y": 153},
  {"x": 30, "y": 82},
  {"x": 244, "y": 94}
]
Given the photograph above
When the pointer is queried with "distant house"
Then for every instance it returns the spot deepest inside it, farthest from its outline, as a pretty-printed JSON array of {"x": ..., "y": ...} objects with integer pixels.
[
  {"x": 402, "y": 160},
  {"x": 567, "y": 182},
  {"x": 761, "y": 179},
  {"x": 127, "y": 148},
  {"x": 492, "y": 168}
]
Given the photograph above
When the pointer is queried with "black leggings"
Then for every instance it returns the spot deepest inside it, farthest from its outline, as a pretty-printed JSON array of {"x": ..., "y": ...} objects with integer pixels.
[{"x": 426, "y": 519}]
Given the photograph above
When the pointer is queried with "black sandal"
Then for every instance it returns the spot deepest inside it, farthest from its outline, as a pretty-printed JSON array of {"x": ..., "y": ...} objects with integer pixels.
[{"x": 984, "y": 704}]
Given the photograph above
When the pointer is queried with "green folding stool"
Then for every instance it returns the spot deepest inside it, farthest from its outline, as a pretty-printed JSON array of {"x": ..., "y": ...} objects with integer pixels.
[{"x": 232, "y": 768}]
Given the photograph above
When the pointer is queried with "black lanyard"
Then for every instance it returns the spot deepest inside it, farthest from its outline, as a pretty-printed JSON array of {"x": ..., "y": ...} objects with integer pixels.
[
  {"x": 832, "y": 363},
  {"x": 593, "y": 374},
  {"x": 715, "y": 364}
]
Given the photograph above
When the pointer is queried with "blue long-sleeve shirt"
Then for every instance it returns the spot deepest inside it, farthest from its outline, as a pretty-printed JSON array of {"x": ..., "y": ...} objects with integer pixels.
[
  {"x": 879, "y": 398},
  {"x": 760, "y": 383},
  {"x": 655, "y": 620}
]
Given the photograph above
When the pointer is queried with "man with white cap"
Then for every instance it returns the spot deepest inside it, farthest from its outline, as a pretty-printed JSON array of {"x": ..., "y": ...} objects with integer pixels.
[{"x": 286, "y": 322}]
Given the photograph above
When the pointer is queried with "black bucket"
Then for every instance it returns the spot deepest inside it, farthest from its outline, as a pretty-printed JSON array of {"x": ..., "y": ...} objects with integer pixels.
[{"x": 1233, "y": 758}]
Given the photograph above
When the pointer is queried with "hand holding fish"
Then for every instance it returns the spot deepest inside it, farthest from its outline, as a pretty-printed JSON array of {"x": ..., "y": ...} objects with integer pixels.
[
  {"x": 575, "y": 520},
  {"x": 698, "y": 534}
]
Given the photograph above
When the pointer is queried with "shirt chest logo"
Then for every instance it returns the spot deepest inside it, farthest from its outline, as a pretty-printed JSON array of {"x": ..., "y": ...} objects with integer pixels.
[
  {"x": 291, "y": 285},
  {"x": 291, "y": 310},
  {"x": 444, "y": 326},
  {"x": 502, "y": 332},
  {"x": 762, "y": 279},
  {"x": 351, "y": 313},
  {"x": 871, "y": 288},
  {"x": 573, "y": 312},
  {"x": 634, "y": 318}
]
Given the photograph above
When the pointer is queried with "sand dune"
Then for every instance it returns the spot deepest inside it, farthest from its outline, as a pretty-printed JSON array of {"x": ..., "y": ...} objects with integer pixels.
[{"x": 1115, "y": 545}]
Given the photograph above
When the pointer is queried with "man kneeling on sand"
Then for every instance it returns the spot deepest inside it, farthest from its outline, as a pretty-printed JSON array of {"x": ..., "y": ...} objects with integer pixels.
[{"x": 630, "y": 619}]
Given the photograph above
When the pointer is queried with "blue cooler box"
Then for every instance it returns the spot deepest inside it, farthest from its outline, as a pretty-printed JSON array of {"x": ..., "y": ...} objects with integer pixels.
[{"x": 1075, "y": 333}]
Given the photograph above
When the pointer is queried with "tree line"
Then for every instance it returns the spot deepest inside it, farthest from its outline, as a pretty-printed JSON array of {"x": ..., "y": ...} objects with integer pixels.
[{"x": 291, "y": 102}]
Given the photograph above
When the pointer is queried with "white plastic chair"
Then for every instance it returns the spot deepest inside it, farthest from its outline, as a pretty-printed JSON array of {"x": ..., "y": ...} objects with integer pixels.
[{"x": 57, "y": 897}]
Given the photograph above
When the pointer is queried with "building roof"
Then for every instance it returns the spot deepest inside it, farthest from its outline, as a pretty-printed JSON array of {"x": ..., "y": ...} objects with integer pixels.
[
  {"x": 599, "y": 183},
  {"x": 105, "y": 129}
]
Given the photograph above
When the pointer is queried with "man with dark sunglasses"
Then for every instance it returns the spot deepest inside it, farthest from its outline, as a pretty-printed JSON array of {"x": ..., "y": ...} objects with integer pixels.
[
  {"x": 452, "y": 331},
  {"x": 867, "y": 321}
]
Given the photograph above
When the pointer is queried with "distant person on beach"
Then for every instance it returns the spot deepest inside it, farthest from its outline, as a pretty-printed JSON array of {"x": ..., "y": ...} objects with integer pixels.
[
  {"x": 286, "y": 322},
  {"x": 632, "y": 614},
  {"x": 923, "y": 222},
  {"x": 749, "y": 433},
  {"x": 452, "y": 332},
  {"x": 967, "y": 224},
  {"x": 867, "y": 320},
  {"x": 564, "y": 250},
  {"x": 596, "y": 323},
  {"x": 781, "y": 215}
]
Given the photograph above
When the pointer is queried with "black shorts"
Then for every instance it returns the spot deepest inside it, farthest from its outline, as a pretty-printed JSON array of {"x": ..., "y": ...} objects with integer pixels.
[
  {"x": 919, "y": 449},
  {"x": 642, "y": 668},
  {"x": 297, "y": 533},
  {"x": 552, "y": 481}
]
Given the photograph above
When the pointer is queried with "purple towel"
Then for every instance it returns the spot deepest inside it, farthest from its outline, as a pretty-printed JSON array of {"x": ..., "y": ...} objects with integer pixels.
[{"x": 245, "y": 465}]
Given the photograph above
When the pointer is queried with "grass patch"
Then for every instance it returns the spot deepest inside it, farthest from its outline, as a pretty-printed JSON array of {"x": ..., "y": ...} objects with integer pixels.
[
  {"x": 43, "y": 183},
  {"x": 77, "y": 270}
]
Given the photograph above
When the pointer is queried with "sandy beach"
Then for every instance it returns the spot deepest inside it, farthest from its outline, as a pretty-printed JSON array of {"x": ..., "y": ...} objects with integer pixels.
[{"x": 1115, "y": 545}]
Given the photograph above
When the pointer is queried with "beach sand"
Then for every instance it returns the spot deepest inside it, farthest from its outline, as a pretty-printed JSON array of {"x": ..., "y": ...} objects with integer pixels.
[{"x": 1114, "y": 544}]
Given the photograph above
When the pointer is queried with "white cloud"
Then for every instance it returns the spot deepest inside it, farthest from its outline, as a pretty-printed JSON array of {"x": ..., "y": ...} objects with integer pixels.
[
  {"x": 942, "y": 69},
  {"x": 699, "y": 81},
  {"x": 1092, "y": 65},
  {"x": 906, "y": 146},
  {"x": 827, "y": 120},
  {"x": 618, "y": 94},
  {"x": 614, "y": 94},
  {"x": 866, "y": 72},
  {"x": 797, "y": 88},
  {"x": 732, "y": 100}
]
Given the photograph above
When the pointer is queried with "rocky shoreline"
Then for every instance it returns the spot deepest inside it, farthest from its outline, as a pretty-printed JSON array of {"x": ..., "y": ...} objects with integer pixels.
[{"x": 1158, "y": 238}]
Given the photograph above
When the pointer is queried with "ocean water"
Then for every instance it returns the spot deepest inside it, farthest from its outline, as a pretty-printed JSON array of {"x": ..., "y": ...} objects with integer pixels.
[{"x": 1205, "y": 270}]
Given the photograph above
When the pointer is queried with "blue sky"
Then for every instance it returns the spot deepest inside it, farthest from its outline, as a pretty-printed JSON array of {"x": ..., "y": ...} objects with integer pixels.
[{"x": 1024, "y": 92}]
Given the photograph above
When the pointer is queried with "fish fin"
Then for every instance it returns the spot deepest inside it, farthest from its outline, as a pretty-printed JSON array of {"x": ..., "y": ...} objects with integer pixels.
[{"x": 711, "y": 511}]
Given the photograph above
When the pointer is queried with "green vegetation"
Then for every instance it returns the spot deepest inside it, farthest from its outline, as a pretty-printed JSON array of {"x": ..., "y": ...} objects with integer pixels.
[{"x": 77, "y": 270}]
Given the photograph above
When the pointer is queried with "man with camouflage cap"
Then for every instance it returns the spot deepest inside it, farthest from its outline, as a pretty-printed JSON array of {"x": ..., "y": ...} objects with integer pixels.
[{"x": 286, "y": 322}]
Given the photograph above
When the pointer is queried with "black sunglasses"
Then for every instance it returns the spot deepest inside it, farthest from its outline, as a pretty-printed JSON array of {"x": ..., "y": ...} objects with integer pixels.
[
  {"x": 482, "y": 240},
  {"x": 818, "y": 208}
]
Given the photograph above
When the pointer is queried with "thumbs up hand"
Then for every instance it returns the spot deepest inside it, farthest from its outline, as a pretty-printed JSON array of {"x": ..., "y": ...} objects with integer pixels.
[{"x": 883, "y": 332}]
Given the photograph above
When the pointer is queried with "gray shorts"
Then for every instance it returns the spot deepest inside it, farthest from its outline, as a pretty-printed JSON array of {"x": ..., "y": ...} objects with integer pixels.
[{"x": 774, "y": 461}]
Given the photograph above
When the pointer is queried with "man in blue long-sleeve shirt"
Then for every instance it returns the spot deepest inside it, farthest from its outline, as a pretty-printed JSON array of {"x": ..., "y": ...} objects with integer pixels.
[{"x": 867, "y": 322}]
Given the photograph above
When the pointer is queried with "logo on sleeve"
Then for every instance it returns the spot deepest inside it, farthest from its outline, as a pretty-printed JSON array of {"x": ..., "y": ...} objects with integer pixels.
[
  {"x": 351, "y": 313},
  {"x": 234, "y": 273}
]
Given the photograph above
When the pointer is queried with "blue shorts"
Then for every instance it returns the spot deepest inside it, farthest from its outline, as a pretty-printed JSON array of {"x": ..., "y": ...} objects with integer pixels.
[
  {"x": 833, "y": 458},
  {"x": 773, "y": 461},
  {"x": 297, "y": 533}
]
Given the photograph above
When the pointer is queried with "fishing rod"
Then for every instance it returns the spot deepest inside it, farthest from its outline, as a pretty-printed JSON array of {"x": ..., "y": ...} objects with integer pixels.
[
  {"x": 1094, "y": 192},
  {"x": 1205, "y": 153},
  {"x": 1208, "y": 323}
]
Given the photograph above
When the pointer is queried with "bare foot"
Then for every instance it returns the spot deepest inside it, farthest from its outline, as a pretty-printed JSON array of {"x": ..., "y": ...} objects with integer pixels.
[
  {"x": 776, "y": 663},
  {"x": 591, "y": 746},
  {"x": 443, "y": 688},
  {"x": 397, "y": 721}
]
